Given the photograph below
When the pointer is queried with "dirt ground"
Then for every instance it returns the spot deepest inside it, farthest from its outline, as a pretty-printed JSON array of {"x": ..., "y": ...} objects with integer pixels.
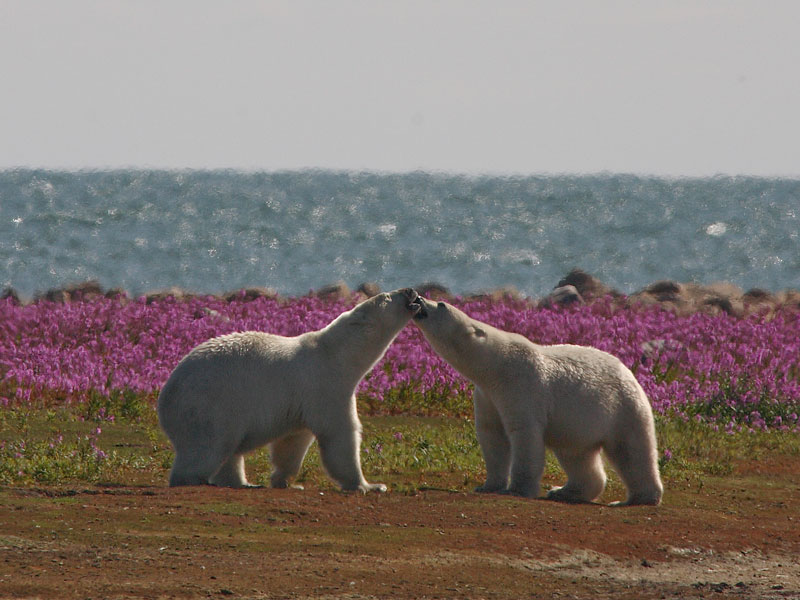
[{"x": 727, "y": 537}]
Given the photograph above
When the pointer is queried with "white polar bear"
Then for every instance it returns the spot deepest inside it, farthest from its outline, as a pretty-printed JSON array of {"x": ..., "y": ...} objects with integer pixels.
[
  {"x": 238, "y": 392},
  {"x": 573, "y": 399}
]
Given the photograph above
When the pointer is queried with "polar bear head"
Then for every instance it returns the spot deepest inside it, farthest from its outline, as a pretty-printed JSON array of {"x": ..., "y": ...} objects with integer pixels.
[
  {"x": 367, "y": 329},
  {"x": 388, "y": 311},
  {"x": 456, "y": 337}
]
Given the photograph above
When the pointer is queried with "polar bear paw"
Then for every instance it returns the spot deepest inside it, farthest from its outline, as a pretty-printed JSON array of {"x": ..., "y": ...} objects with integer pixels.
[
  {"x": 522, "y": 493},
  {"x": 489, "y": 488},
  {"x": 652, "y": 499},
  {"x": 562, "y": 494},
  {"x": 372, "y": 487}
]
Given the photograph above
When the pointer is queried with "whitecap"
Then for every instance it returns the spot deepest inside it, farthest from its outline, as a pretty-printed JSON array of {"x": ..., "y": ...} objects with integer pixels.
[
  {"x": 523, "y": 257},
  {"x": 388, "y": 229},
  {"x": 717, "y": 229}
]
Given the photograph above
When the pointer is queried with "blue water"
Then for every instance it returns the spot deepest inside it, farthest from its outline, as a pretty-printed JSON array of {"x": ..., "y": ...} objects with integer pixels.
[{"x": 215, "y": 231}]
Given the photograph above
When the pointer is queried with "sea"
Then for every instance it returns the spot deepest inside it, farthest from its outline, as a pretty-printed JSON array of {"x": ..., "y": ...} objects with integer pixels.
[{"x": 297, "y": 231}]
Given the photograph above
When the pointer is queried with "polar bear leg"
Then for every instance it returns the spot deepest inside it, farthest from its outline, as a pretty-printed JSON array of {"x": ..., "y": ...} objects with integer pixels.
[
  {"x": 494, "y": 443},
  {"x": 527, "y": 460},
  {"x": 586, "y": 477},
  {"x": 339, "y": 454},
  {"x": 231, "y": 473},
  {"x": 636, "y": 462},
  {"x": 287, "y": 455},
  {"x": 339, "y": 447},
  {"x": 193, "y": 468}
]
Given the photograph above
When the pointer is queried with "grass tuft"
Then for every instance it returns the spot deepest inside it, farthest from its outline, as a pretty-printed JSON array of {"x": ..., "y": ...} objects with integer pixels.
[{"x": 118, "y": 441}]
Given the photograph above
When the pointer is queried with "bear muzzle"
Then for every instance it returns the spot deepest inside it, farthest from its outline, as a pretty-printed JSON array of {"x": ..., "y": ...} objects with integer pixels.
[
  {"x": 413, "y": 301},
  {"x": 422, "y": 311}
]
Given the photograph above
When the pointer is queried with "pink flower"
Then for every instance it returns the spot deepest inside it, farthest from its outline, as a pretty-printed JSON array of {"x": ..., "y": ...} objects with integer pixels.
[{"x": 713, "y": 368}]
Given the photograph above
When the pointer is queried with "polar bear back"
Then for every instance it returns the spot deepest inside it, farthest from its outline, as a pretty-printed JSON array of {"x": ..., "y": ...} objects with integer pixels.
[
  {"x": 595, "y": 387},
  {"x": 224, "y": 362},
  {"x": 250, "y": 380}
]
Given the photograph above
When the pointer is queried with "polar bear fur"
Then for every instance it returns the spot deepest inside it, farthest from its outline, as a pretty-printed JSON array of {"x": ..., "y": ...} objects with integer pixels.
[
  {"x": 574, "y": 400},
  {"x": 238, "y": 392}
]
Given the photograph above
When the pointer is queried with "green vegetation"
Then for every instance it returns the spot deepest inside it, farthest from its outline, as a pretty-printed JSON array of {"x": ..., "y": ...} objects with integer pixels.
[{"x": 117, "y": 441}]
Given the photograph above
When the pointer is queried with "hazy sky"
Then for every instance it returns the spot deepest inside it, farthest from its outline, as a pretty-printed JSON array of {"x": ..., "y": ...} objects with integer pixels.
[{"x": 664, "y": 87}]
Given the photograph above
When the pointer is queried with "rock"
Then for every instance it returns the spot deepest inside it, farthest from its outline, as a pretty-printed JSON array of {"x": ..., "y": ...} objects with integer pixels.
[
  {"x": 715, "y": 298},
  {"x": 369, "y": 289},
  {"x": 589, "y": 287},
  {"x": 720, "y": 304},
  {"x": 758, "y": 295},
  {"x": 433, "y": 291},
  {"x": 334, "y": 291},
  {"x": 174, "y": 293},
  {"x": 11, "y": 295},
  {"x": 789, "y": 299},
  {"x": 723, "y": 289},
  {"x": 117, "y": 294},
  {"x": 74, "y": 292},
  {"x": 504, "y": 294},
  {"x": 206, "y": 312},
  {"x": 53, "y": 295},
  {"x": 760, "y": 301},
  {"x": 250, "y": 294},
  {"x": 664, "y": 290},
  {"x": 687, "y": 298},
  {"x": 85, "y": 291},
  {"x": 670, "y": 295},
  {"x": 562, "y": 296}
]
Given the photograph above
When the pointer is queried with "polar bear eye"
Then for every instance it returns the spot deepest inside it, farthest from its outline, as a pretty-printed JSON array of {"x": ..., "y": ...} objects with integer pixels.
[{"x": 478, "y": 332}]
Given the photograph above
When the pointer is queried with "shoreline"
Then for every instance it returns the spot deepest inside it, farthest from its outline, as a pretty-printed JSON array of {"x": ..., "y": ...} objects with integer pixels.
[{"x": 576, "y": 287}]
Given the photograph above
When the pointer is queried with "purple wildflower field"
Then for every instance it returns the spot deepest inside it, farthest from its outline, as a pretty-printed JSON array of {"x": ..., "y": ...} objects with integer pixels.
[{"x": 732, "y": 373}]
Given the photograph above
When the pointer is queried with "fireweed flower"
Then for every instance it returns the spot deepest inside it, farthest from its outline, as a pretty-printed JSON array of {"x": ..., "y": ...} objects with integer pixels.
[{"x": 732, "y": 373}]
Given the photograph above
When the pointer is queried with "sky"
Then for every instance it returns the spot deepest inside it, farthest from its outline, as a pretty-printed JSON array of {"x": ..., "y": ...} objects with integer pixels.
[{"x": 676, "y": 88}]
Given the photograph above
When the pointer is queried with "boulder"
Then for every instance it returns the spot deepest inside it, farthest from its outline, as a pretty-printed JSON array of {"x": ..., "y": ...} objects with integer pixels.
[
  {"x": 369, "y": 289},
  {"x": 562, "y": 296},
  {"x": 334, "y": 291},
  {"x": 174, "y": 293},
  {"x": 433, "y": 291},
  {"x": 10, "y": 295},
  {"x": 589, "y": 287},
  {"x": 250, "y": 294},
  {"x": 73, "y": 292}
]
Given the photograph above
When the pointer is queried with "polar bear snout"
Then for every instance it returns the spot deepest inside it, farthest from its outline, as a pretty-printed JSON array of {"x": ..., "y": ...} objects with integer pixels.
[
  {"x": 413, "y": 300},
  {"x": 424, "y": 307}
]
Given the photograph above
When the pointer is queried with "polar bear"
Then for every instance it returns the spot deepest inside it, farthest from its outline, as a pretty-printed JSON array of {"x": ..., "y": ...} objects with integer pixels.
[
  {"x": 574, "y": 400},
  {"x": 235, "y": 393}
]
